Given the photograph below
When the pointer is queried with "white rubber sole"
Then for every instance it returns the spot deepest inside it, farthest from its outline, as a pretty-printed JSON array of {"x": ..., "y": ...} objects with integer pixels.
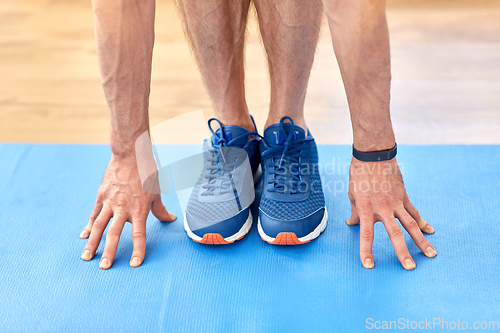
[
  {"x": 313, "y": 235},
  {"x": 242, "y": 232}
]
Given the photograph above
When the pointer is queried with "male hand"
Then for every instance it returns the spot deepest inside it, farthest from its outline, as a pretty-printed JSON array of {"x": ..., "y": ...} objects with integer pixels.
[
  {"x": 377, "y": 193},
  {"x": 122, "y": 198}
]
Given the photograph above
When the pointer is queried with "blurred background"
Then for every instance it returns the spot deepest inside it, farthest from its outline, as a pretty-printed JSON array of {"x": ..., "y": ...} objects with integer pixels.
[{"x": 445, "y": 90}]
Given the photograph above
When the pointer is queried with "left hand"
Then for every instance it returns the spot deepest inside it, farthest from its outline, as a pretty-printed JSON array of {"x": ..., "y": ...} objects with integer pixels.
[
  {"x": 121, "y": 198},
  {"x": 377, "y": 193}
]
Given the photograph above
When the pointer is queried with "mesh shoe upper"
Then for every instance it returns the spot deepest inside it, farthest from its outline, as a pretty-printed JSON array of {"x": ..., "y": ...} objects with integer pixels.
[
  {"x": 292, "y": 193},
  {"x": 225, "y": 188}
]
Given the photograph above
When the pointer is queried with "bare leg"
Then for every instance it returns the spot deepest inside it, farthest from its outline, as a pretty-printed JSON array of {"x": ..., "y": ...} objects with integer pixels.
[
  {"x": 290, "y": 32},
  {"x": 216, "y": 32}
]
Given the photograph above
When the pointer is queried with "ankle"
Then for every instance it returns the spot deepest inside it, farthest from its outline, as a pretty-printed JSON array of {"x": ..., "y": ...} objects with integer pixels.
[
  {"x": 244, "y": 121},
  {"x": 298, "y": 121}
]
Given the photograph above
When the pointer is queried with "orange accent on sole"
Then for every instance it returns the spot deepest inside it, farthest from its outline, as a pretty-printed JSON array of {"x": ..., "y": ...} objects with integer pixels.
[
  {"x": 216, "y": 239},
  {"x": 287, "y": 238}
]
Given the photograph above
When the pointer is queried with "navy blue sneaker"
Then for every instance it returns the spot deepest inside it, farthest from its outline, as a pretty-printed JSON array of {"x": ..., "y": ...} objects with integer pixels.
[
  {"x": 292, "y": 208},
  {"x": 218, "y": 210}
]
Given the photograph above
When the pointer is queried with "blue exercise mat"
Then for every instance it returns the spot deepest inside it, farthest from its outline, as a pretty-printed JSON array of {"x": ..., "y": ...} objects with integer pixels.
[{"x": 47, "y": 193}]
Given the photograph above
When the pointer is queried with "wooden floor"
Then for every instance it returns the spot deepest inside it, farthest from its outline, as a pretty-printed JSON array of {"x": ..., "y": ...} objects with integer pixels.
[{"x": 446, "y": 74}]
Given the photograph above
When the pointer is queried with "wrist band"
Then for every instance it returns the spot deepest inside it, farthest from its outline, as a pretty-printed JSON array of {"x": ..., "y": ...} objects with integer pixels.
[{"x": 375, "y": 156}]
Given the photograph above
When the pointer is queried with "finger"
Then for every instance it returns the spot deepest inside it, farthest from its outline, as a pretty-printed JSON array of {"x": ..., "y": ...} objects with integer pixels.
[
  {"x": 422, "y": 224},
  {"x": 160, "y": 212},
  {"x": 413, "y": 229},
  {"x": 139, "y": 240},
  {"x": 98, "y": 227},
  {"x": 112, "y": 240},
  {"x": 354, "y": 219},
  {"x": 88, "y": 228},
  {"x": 398, "y": 242},
  {"x": 366, "y": 242}
]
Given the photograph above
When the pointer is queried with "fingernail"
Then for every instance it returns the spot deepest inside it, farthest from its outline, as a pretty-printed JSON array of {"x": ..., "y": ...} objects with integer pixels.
[
  {"x": 104, "y": 264},
  {"x": 84, "y": 233},
  {"x": 135, "y": 262},
  {"x": 409, "y": 264},
  {"x": 86, "y": 255},
  {"x": 369, "y": 263},
  {"x": 430, "y": 229},
  {"x": 347, "y": 221},
  {"x": 173, "y": 216},
  {"x": 431, "y": 252}
]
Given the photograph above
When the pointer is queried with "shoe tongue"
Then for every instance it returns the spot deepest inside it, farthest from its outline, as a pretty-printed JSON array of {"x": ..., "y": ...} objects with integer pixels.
[
  {"x": 231, "y": 132},
  {"x": 274, "y": 136}
]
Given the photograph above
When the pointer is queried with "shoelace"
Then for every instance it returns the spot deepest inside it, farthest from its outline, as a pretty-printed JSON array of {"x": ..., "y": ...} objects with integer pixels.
[
  {"x": 294, "y": 149},
  {"x": 223, "y": 162}
]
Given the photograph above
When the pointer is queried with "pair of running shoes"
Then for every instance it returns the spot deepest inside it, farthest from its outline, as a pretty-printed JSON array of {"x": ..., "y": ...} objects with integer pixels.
[{"x": 292, "y": 205}]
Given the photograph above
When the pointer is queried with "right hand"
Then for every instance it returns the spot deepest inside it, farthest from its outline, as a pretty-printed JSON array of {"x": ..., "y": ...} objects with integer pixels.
[
  {"x": 377, "y": 193},
  {"x": 121, "y": 197}
]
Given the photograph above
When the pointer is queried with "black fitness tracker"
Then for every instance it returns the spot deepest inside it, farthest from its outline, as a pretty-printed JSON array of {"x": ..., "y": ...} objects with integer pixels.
[{"x": 375, "y": 156}]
